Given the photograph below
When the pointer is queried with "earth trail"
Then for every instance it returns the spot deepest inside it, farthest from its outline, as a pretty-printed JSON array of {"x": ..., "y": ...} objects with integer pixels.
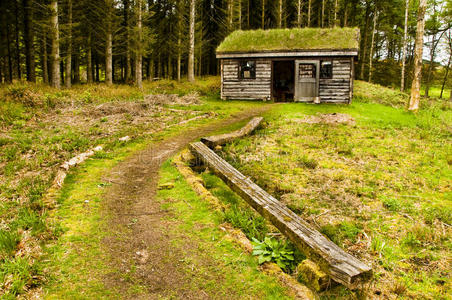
[{"x": 139, "y": 229}]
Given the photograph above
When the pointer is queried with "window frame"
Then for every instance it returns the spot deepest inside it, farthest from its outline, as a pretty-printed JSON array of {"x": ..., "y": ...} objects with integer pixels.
[
  {"x": 320, "y": 71},
  {"x": 241, "y": 63}
]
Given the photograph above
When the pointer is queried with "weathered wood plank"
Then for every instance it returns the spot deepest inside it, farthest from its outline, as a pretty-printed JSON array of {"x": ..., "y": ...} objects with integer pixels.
[
  {"x": 341, "y": 266},
  {"x": 222, "y": 139}
]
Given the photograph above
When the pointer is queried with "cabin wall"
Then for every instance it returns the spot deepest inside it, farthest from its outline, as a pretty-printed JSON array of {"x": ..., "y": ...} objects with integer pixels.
[
  {"x": 339, "y": 89},
  {"x": 250, "y": 89}
]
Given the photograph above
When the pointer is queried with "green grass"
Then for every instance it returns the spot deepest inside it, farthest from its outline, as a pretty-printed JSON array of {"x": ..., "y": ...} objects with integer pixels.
[
  {"x": 78, "y": 263},
  {"x": 435, "y": 92},
  {"x": 381, "y": 189},
  {"x": 43, "y": 127},
  {"x": 290, "y": 39}
]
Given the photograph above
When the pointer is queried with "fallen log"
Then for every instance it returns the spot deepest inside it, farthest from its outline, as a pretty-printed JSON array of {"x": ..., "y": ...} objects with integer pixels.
[
  {"x": 333, "y": 260},
  {"x": 216, "y": 140}
]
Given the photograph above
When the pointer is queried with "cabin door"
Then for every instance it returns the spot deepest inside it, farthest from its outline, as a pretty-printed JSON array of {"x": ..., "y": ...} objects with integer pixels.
[{"x": 306, "y": 80}]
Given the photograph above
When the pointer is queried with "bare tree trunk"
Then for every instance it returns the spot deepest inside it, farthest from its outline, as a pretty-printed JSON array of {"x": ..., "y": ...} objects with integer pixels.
[
  {"x": 109, "y": 59},
  {"x": 230, "y": 15},
  {"x": 364, "y": 54},
  {"x": 419, "y": 44},
  {"x": 445, "y": 77},
  {"x": 323, "y": 13},
  {"x": 179, "y": 40},
  {"x": 309, "y": 12},
  {"x": 56, "y": 79},
  {"x": 371, "y": 54},
  {"x": 405, "y": 33},
  {"x": 69, "y": 46},
  {"x": 45, "y": 69},
  {"x": 449, "y": 44},
  {"x": 89, "y": 61},
  {"x": 240, "y": 14},
  {"x": 280, "y": 14},
  {"x": 435, "y": 42},
  {"x": 19, "y": 71},
  {"x": 128, "y": 67},
  {"x": 299, "y": 13},
  {"x": 29, "y": 40},
  {"x": 139, "y": 56},
  {"x": 335, "y": 13},
  {"x": 263, "y": 15},
  {"x": 191, "y": 53}
]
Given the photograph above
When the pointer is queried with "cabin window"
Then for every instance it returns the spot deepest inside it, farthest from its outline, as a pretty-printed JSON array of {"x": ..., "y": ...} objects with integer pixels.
[
  {"x": 247, "y": 69},
  {"x": 326, "y": 69}
]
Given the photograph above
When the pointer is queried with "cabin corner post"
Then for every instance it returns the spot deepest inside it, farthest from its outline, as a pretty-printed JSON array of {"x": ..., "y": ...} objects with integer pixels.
[
  {"x": 352, "y": 78},
  {"x": 222, "y": 81}
]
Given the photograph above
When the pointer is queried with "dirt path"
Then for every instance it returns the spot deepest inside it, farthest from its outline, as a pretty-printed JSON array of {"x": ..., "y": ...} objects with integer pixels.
[{"x": 141, "y": 239}]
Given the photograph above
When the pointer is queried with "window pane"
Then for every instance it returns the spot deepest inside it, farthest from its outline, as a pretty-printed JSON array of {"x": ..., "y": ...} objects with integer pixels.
[
  {"x": 248, "y": 69},
  {"x": 326, "y": 69}
]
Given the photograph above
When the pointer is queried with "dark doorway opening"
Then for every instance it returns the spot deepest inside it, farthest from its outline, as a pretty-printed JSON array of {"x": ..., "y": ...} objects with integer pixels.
[{"x": 283, "y": 80}]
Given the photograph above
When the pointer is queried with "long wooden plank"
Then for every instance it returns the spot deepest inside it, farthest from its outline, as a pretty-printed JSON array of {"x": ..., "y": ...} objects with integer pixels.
[
  {"x": 222, "y": 139},
  {"x": 341, "y": 266}
]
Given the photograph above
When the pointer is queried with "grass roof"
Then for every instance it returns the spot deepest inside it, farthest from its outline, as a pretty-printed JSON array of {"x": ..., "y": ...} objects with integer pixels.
[{"x": 290, "y": 40}]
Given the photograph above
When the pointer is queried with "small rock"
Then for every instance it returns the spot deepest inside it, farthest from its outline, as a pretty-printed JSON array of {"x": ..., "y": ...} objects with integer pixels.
[
  {"x": 125, "y": 138},
  {"x": 86, "y": 201}
]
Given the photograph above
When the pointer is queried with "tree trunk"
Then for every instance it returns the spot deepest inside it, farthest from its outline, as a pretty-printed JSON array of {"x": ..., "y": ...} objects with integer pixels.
[
  {"x": 405, "y": 33},
  {"x": 139, "y": 56},
  {"x": 6, "y": 55},
  {"x": 280, "y": 14},
  {"x": 89, "y": 61},
  {"x": 76, "y": 70},
  {"x": 69, "y": 46},
  {"x": 191, "y": 54},
  {"x": 55, "y": 56},
  {"x": 419, "y": 44},
  {"x": 19, "y": 72},
  {"x": 309, "y": 12},
  {"x": 335, "y": 14},
  {"x": 109, "y": 59},
  {"x": 323, "y": 13},
  {"x": 45, "y": 69},
  {"x": 29, "y": 40},
  {"x": 263, "y": 15},
  {"x": 127, "y": 37},
  {"x": 299, "y": 13},
  {"x": 240, "y": 14},
  {"x": 449, "y": 44},
  {"x": 365, "y": 39},
  {"x": 371, "y": 54},
  {"x": 445, "y": 77}
]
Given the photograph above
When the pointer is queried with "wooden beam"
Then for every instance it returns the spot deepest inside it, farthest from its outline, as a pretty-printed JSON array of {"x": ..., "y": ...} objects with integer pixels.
[
  {"x": 215, "y": 140},
  {"x": 333, "y": 260}
]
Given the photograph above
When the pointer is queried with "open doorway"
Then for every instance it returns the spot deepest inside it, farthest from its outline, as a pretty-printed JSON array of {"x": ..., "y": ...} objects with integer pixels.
[{"x": 283, "y": 80}]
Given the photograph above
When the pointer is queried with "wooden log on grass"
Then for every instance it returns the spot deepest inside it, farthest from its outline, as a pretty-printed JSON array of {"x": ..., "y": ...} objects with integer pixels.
[
  {"x": 333, "y": 260},
  {"x": 215, "y": 140}
]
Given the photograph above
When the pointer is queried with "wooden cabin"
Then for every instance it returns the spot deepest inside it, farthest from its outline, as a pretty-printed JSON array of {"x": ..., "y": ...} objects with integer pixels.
[{"x": 299, "y": 64}]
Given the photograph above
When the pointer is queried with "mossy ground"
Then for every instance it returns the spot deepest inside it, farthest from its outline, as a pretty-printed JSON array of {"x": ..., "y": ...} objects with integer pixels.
[
  {"x": 42, "y": 127},
  {"x": 381, "y": 189}
]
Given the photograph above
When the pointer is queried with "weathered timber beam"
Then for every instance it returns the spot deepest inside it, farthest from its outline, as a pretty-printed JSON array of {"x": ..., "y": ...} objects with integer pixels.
[
  {"x": 333, "y": 260},
  {"x": 222, "y": 139}
]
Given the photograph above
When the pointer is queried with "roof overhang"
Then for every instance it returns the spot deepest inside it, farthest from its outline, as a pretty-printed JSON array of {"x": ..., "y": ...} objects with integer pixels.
[{"x": 282, "y": 54}]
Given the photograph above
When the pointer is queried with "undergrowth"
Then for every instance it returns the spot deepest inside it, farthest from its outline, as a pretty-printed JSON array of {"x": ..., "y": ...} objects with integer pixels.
[{"x": 381, "y": 189}]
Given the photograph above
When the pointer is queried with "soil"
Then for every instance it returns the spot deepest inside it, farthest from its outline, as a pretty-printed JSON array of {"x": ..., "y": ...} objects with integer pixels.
[
  {"x": 141, "y": 231},
  {"x": 331, "y": 119}
]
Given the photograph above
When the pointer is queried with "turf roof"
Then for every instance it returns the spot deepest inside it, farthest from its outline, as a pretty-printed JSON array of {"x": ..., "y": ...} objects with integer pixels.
[{"x": 291, "y": 40}]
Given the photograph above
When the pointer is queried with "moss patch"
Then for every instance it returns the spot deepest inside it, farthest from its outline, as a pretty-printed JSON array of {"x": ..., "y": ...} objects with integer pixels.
[{"x": 290, "y": 39}]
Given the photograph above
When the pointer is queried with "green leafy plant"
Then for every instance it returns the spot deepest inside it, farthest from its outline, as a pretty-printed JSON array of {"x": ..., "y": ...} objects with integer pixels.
[{"x": 279, "y": 252}]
